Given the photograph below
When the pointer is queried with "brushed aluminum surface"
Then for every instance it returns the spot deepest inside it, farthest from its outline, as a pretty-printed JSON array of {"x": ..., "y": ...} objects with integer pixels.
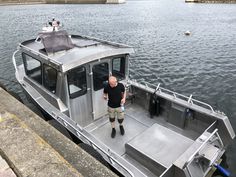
[{"x": 161, "y": 144}]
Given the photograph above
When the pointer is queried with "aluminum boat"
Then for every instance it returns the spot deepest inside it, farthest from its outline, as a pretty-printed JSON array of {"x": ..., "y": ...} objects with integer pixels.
[{"x": 167, "y": 134}]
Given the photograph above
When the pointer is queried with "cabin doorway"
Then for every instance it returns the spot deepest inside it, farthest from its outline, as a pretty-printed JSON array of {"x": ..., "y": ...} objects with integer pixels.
[
  {"x": 79, "y": 94},
  {"x": 99, "y": 79}
]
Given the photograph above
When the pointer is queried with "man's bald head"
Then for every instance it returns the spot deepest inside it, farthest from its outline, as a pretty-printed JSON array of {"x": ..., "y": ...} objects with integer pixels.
[{"x": 112, "y": 81}]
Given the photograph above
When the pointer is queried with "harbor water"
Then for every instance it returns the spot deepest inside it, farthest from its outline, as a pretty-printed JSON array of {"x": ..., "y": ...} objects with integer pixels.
[{"x": 202, "y": 63}]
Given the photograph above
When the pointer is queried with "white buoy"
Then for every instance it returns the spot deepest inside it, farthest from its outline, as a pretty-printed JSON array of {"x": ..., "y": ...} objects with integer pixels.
[{"x": 187, "y": 33}]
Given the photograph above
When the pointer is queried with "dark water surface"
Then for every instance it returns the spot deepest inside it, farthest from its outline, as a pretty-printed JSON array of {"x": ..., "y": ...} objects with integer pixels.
[{"x": 202, "y": 64}]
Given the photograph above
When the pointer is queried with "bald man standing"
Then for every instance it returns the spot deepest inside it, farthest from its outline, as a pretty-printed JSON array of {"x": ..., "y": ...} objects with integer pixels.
[{"x": 115, "y": 93}]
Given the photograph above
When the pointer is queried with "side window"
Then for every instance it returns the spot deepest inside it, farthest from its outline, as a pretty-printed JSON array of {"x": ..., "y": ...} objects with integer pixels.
[
  {"x": 77, "y": 82},
  {"x": 49, "y": 78},
  {"x": 118, "y": 68},
  {"x": 33, "y": 68},
  {"x": 100, "y": 75}
]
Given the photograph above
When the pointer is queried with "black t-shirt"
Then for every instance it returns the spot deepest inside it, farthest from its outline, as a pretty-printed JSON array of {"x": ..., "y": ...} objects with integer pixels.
[{"x": 115, "y": 94}]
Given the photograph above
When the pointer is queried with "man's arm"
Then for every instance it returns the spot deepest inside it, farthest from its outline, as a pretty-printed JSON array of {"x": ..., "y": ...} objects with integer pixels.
[
  {"x": 123, "y": 96},
  {"x": 105, "y": 95}
]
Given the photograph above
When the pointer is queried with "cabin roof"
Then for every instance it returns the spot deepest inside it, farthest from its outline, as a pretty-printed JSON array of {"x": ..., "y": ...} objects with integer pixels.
[{"x": 84, "y": 50}]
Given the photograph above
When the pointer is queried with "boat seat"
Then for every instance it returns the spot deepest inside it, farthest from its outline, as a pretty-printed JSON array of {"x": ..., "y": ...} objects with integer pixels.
[{"x": 157, "y": 148}]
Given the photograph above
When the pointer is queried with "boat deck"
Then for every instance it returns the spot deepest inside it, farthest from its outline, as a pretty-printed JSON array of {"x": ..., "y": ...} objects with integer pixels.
[
  {"x": 117, "y": 144},
  {"x": 159, "y": 136}
]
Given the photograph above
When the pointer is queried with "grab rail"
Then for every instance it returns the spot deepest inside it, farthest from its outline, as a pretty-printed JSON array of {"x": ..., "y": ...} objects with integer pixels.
[
  {"x": 189, "y": 99},
  {"x": 200, "y": 147},
  {"x": 196, "y": 155},
  {"x": 14, "y": 60},
  {"x": 79, "y": 133}
]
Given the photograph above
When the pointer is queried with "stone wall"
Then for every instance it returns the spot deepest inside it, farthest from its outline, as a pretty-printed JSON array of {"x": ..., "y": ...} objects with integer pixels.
[{"x": 7, "y": 2}]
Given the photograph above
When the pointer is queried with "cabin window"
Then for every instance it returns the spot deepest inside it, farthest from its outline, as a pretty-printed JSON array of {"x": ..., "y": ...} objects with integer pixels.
[
  {"x": 118, "y": 68},
  {"x": 49, "y": 78},
  {"x": 33, "y": 68},
  {"x": 77, "y": 82},
  {"x": 100, "y": 75}
]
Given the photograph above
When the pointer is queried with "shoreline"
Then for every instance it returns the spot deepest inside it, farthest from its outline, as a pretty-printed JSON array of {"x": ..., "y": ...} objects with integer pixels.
[{"x": 35, "y": 2}]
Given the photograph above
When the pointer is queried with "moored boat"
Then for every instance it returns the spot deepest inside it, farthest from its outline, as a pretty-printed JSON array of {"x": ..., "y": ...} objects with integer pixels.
[{"x": 167, "y": 134}]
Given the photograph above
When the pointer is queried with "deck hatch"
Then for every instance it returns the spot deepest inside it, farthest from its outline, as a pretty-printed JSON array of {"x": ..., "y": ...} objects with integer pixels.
[{"x": 162, "y": 146}]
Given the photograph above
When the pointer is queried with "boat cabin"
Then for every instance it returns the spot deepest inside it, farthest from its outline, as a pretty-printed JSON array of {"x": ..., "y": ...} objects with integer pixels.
[{"x": 70, "y": 72}]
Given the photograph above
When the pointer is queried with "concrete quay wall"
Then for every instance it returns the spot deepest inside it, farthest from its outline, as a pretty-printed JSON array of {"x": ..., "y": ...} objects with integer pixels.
[
  {"x": 32, "y": 147},
  {"x": 27, "y": 153},
  {"x": 9, "y": 2},
  {"x": 13, "y": 2},
  {"x": 5, "y": 169}
]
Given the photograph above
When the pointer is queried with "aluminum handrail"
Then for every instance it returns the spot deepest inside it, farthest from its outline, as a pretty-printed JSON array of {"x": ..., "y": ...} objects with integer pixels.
[
  {"x": 94, "y": 145},
  {"x": 208, "y": 128},
  {"x": 110, "y": 157},
  {"x": 80, "y": 133},
  {"x": 14, "y": 60},
  {"x": 199, "y": 148},
  {"x": 189, "y": 99}
]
